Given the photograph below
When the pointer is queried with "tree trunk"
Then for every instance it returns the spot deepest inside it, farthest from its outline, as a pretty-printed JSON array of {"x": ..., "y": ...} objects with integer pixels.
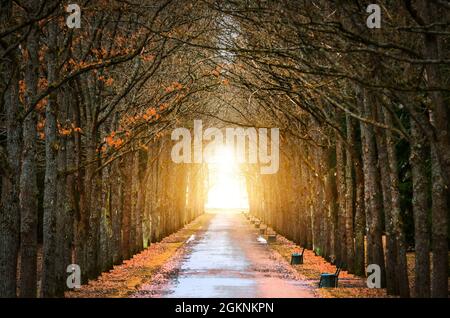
[
  {"x": 390, "y": 248},
  {"x": 360, "y": 220},
  {"x": 126, "y": 204},
  {"x": 135, "y": 183},
  {"x": 105, "y": 239},
  {"x": 439, "y": 216},
  {"x": 28, "y": 181},
  {"x": 116, "y": 212},
  {"x": 10, "y": 216},
  {"x": 48, "y": 283},
  {"x": 397, "y": 223},
  {"x": 71, "y": 196},
  {"x": 420, "y": 210},
  {"x": 341, "y": 214},
  {"x": 349, "y": 198},
  {"x": 372, "y": 190},
  {"x": 93, "y": 180},
  {"x": 360, "y": 217},
  {"x": 435, "y": 49}
]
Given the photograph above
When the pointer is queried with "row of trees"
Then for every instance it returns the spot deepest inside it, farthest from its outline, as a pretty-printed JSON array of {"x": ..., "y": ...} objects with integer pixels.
[
  {"x": 87, "y": 114},
  {"x": 364, "y": 115},
  {"x": 85, "y": 136}
]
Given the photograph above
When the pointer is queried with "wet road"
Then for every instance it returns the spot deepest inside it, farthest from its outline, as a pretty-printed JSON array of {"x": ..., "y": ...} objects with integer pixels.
[{"x": 228, "y": 260}]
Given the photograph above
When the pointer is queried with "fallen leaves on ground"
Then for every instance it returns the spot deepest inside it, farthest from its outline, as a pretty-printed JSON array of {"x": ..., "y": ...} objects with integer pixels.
[
  {"x": 350, "y": 286},
  {"x": 125, "y": 279}
]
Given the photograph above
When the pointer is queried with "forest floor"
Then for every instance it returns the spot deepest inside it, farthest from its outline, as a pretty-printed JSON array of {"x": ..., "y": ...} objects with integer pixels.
[
  {"x": 125, "y": 279},
  {"x": 349, "y": 286}
]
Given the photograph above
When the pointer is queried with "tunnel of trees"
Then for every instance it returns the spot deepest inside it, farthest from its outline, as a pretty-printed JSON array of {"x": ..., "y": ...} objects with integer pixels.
[{"x": 86, "y": 117}]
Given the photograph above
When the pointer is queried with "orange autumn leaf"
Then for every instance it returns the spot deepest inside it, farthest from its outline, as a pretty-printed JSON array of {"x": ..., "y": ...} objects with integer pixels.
[
  {"x": 42, "y": 83},
  {"x": 148, "y": 58},
  {"x": 101, "y": 149},
  {"x": 168, "y": 89},
  {"x": 215, "y": 73},
  {"x": 40, "y": 125},
  {"x": 174, "y": 86},
  {"x": 41, "y": 105},
  {"x": 109, "y": 140},
  {"x": 118, "y": 143},
  {"x": 109, "y": 81},
  {"x": 22, "y": 88},
  {"x": 76, "y": 129},
  {"x": 65, "y": 132},
  {"x": 151, "y": 111},
  {"x": 113, "y": 141},
  {"x": 177, "y": 85}
]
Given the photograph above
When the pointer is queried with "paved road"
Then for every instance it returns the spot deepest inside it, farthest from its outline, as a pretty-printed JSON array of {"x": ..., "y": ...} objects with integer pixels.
[{"x": 227, "y": 260}]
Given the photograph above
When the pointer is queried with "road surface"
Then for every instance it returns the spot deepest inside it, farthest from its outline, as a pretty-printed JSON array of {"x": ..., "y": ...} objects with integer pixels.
[{"x": 229, "y": 260}]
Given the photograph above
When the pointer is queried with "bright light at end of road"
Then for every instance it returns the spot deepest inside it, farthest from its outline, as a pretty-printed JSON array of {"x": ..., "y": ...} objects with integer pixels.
[{"x": 227, "y": 185}]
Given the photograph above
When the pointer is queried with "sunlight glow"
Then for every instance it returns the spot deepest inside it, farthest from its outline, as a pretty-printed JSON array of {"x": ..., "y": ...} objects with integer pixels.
[{"x": 227, "y": 186}]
